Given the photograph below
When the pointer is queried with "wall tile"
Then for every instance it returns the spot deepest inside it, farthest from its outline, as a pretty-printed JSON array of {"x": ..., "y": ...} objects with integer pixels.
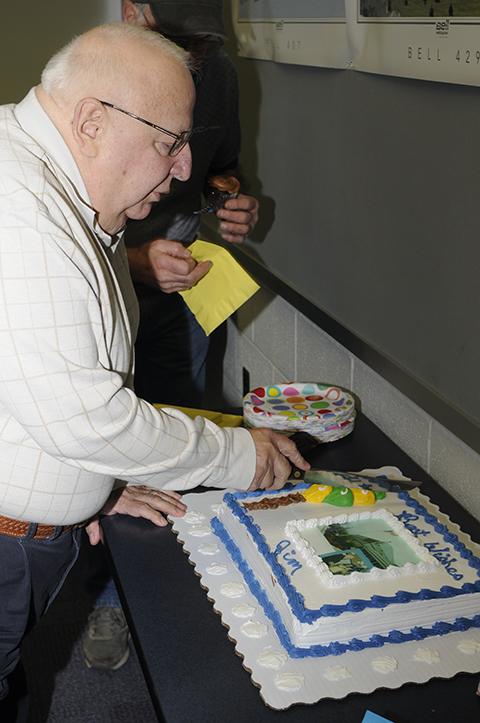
[
  {"x": 232, "y": 396},
  {"x": 279, "y": 377},
  {"x": 274, "y": 332},
  {"x": 246, "y": 315},
  {"x": 259, "y": 366},
  {"x": 319, "y": 357},
  {"x": 232, "y": 362},
  {"x": 402, "y": 420},
  {"x": 456, "y": 467}
]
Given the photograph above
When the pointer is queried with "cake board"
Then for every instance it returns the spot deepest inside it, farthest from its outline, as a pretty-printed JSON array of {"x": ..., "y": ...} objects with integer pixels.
[{"x": 285, "y": 681}]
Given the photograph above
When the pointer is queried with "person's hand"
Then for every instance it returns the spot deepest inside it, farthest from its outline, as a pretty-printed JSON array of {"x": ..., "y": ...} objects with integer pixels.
[
  {"x": 238, "y": 218},
  {"x": 166, "y": 264},
  {"x": 138, "y": 501},
  {"x": 273, "y": 468}
]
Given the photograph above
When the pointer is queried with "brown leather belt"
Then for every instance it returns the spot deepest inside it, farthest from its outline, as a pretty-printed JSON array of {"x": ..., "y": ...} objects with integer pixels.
[{"x": 19, "y": 528}]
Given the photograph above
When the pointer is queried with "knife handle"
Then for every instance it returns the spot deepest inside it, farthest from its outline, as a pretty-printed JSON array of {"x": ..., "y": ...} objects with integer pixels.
[{"x": 305, "y": 443}]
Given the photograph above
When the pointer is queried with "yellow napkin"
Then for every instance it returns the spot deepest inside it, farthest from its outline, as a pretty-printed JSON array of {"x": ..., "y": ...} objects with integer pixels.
[
  {"x": 220, "y": 292},
  {"x": 222, "y": 420}
]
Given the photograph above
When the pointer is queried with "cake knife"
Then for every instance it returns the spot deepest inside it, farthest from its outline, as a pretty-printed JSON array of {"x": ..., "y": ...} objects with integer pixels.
[
  {"x": 306, "y": 443},
  {"x": 315, "y": 475}
]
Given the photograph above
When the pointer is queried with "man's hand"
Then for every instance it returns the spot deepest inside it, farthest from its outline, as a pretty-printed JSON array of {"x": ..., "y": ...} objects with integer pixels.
[
  {"x": 273, "y": 469},
  {"x": 138, "y": 501},
  {"x": 238, "y": 218},
  {"x": 166, "y": 264}
]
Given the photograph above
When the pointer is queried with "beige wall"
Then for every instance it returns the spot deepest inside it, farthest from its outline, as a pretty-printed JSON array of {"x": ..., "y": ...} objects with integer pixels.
[{"x": 32, "y": 30}]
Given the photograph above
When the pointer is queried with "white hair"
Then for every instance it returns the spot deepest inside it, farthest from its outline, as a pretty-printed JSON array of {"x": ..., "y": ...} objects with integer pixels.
[{"x": 79, "y": 61}]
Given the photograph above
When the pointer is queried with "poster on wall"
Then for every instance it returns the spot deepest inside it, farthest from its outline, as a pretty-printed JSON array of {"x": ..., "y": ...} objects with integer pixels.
[
  {"x": 426, "y": 39},
  {"x": 303, "y": 32}
]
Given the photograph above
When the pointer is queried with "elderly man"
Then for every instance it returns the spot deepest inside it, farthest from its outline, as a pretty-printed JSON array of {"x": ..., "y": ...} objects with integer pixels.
[
  {"x": 97, "y": 143},
  {"x": 170, "y": 343}
]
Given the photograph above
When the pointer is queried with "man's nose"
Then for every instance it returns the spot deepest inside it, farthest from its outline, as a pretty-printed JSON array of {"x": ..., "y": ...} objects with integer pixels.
[{"x": 182, "y": 167}]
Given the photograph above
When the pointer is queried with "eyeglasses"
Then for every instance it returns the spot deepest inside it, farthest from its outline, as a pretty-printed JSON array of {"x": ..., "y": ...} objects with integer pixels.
[{"x": 181, "y": 139}]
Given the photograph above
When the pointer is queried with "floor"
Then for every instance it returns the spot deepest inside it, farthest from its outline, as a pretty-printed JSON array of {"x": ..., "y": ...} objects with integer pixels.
[{"x": 62, "y": 689}]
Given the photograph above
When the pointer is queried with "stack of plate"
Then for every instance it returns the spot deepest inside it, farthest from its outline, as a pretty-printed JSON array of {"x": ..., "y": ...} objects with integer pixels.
[{"x": 326, "y": 412}]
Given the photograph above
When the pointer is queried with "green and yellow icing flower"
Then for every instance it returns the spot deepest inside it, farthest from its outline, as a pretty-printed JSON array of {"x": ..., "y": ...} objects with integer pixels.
[{"x": 341, "y": 496}]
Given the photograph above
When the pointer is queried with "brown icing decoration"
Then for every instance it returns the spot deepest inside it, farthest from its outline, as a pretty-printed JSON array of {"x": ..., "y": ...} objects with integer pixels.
[{"x": 271, "y": 503}]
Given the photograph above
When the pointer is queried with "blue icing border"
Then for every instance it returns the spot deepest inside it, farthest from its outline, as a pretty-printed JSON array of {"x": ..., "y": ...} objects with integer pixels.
[
  {"x": 335, "y": 648},
  {"x": 449, "y": 537},
  {"x": 296, "y": 599}
]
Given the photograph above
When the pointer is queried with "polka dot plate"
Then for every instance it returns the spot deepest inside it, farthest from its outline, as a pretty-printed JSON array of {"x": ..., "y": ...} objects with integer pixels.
[{"x": 324, "y": 411}]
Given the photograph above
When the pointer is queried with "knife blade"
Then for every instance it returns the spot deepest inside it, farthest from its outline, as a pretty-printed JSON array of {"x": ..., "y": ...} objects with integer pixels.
[
  {"x": 306, "y": 443},
  {"x": 324, "y": 476}
]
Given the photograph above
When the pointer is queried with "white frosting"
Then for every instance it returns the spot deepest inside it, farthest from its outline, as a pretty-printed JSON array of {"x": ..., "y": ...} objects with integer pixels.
[
  {"x": 217, "y": 568},
  {"x": 427, "y": 655},
  {"x": 337, "y": 672},
  {"x": 354, "y": 622},
  {"x": 200, "y": 531},
  {"x": 272, "y": 659},
  {"x": 217, "y": 508},
  {"x": 253, "y": 629},
  {"x": 469, "y": 647},
  {"x": 233, "y": 589},
  {"x": 385, "y": 664},
  {"x": 193, "y": 518},
  {"x": 288, "y": 682},
  {"x": 294, "y": 529},
  {"x": 243, "y": 611},
  {"x": 208, "y": 549}
]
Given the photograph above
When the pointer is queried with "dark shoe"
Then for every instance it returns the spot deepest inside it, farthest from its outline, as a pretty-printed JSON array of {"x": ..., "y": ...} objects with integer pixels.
[{"x": 105, "y": 642}]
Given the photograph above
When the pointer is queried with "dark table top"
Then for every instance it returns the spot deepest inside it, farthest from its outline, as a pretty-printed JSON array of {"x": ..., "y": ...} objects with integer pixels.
[{"x": 190, "y": 665}]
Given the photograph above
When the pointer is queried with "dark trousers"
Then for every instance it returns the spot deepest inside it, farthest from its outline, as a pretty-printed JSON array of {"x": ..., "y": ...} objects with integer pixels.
[
  {"x": 170, "y": 351},
  {"x": 32, "y": 572}
]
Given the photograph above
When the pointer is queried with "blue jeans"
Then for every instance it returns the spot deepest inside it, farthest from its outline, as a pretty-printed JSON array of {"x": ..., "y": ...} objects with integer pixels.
[
  {"x": 100, "y": 584},
  {"x": 32, "y": 573},
  {"x": 108, "y": 596}
]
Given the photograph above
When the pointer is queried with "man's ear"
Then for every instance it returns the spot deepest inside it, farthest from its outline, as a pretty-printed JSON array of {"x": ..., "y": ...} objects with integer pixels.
[
  {"x": 88, "y": 126},
  {"x": 130, "y": 13}
]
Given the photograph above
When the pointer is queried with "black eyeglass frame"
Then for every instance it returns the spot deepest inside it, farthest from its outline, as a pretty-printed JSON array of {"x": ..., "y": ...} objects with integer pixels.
[{"x": 181, "y": 139}]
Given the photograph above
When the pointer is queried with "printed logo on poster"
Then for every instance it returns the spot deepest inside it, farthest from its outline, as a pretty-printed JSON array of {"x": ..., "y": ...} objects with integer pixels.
[{"x": 442, "y": 27}]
